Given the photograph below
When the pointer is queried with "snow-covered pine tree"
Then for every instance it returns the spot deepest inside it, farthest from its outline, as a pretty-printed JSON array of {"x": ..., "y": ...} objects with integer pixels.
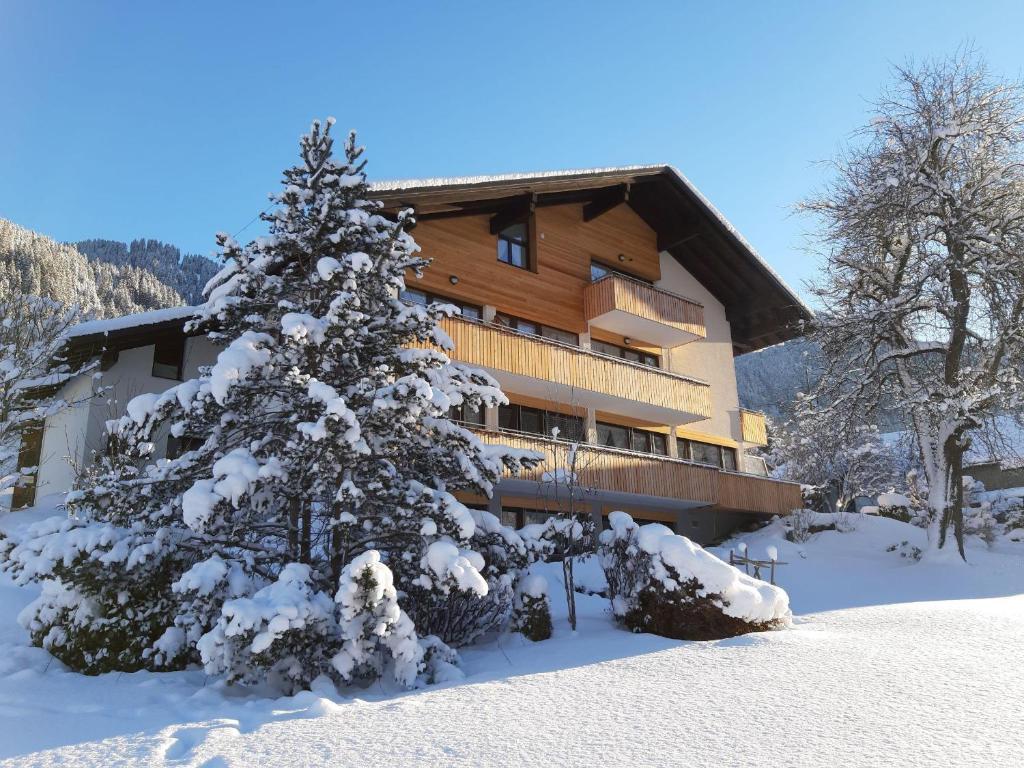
[
  {"x": 320, "y": 433},
  {"x": 923, "y": 281}
]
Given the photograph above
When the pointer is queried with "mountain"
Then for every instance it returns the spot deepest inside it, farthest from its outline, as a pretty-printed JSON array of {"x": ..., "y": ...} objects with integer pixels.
[
  {"x": 769, "y": 379},
  {"x": 184, "y": 274},
  {"x": 104, "y": 277}
]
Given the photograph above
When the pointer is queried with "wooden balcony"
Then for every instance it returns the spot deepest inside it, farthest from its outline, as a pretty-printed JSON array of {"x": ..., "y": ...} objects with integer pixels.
[
  {"x": 561, "y": 373},
  {"x": 614, "y": 471},
  {"x": 753, "y": 428},
  {"x": 637, "y": 309}
]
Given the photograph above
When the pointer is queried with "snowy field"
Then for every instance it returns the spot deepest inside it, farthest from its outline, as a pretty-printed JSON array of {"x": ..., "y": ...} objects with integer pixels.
[{"x": 888, "y": 663}]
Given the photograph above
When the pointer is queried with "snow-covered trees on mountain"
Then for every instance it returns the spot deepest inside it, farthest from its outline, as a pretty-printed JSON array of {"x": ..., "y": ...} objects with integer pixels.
[
  {"x": 309, "y": 523},
  {"x": 923, "y": 284},
  {"x": 102, "y": 278},
  {"x": 31, "y": 332},
  {"x": 186, "y": 275}
]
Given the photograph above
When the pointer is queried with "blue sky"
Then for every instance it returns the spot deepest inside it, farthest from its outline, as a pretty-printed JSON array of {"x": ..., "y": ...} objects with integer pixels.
[{"x": 173, "y": 120}]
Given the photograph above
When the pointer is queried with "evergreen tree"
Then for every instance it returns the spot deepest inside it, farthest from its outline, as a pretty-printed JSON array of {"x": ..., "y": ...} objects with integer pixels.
[{"x": 320, "y": 433}]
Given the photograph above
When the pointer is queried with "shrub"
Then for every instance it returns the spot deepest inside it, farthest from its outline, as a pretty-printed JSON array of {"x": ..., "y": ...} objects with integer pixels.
[
  {"x": 532, "y": 612},
  {"x": 664, "y": 583}
]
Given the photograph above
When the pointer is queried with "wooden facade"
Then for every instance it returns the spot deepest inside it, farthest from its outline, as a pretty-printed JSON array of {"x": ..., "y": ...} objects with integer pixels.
[
  {"x": 753, "y": 427},
  {"x": 614, "y": 295},
  {"x": 501, "y": 349}
]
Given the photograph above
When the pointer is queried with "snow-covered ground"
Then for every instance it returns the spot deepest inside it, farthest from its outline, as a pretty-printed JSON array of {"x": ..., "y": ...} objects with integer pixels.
[{"x": 888, "y": 663}]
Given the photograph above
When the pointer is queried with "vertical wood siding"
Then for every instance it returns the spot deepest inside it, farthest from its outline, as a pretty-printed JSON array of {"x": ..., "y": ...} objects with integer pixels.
[
  {"x": 490, "y": 346},
  {"x": 646, "y": 301},
  {"x": 753, "y": 428}
]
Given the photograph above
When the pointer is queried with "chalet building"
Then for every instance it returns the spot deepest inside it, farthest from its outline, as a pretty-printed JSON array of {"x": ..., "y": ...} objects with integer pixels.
[{"x": 609, "y": 304}]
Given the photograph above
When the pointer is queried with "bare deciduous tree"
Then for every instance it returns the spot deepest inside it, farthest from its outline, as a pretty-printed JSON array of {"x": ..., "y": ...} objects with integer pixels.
[{"x": 923, "y": 285}]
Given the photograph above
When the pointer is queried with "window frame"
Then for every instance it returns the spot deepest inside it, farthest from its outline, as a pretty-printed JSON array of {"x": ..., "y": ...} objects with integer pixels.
[
  {"x": 435, "y": 298},
  {"x": 516, "y": 323},
  {"x": 511, "y": 241},
  {"x": 634, "y": 435},
  {"x": 647, "y": 359},
  {"x": 164, "y": 341},
  {"x": 546, "y": 419}
]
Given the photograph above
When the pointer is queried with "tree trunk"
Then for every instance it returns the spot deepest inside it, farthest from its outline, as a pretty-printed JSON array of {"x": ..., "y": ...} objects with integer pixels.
[
  {"x": 570, "y": 588},
  {"x": 953, "y": 513}
]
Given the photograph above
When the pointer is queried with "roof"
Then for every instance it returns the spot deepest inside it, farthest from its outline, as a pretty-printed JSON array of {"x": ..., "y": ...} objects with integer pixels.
[{"x": 762, "y": 309}]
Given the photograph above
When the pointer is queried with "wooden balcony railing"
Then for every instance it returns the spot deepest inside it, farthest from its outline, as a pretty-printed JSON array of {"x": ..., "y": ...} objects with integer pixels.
[
  {"x": 634, "y": 308},
  {"x": 753, "y": 428},
  {"x": 619, "y": 471},
  {"x": 562, "y": 372}
]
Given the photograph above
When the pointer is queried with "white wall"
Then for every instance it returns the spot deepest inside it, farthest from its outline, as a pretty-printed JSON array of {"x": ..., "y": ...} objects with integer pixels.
[
  {"x": 73, "y": 437},
  {"x": 711, "y": 358}
]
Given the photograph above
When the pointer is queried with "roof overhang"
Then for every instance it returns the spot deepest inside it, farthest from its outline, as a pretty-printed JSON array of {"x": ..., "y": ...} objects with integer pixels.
[{"x": 760, "y": 307}]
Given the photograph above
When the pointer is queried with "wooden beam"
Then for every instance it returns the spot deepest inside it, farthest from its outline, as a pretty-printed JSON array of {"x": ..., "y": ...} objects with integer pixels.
[
  {"x": 605, "y": 201},
  {"x": 516, "y": 211}
]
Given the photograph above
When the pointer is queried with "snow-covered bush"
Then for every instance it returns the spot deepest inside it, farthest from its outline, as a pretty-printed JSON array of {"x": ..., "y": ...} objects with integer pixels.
[
  {"x": 663, "y": 583},
  {"x": 320, "y": 433},
  {"x": 532, "y": 614},
  {"x": 800, "y": 525},
  {"x": 281, "y": 635}
]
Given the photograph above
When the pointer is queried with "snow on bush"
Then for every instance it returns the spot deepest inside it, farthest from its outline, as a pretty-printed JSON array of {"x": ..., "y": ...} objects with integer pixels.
[
  {"x": 532, "y": 611},
  {"x": 664, "y": 583}
]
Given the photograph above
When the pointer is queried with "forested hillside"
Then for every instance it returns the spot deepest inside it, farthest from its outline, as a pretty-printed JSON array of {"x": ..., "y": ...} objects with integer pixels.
[
  {"x": 770, "y": 379},
  {"x": 104, "y": 278},
  {"x": 185, "y": 274}
]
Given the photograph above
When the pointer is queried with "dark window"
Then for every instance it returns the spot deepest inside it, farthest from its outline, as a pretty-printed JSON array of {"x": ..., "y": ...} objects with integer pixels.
[
  {"x": 24, "y": 492},
  {"x": 626, "y": 353},
  {"x": 169, "y": 356},
  {"x": 536, "y": 329},
  {"x": 514, "y": 246},
  {"x": 536, "y": 421},
  {"x": 415, "y": 296},
  {"x": 706, "y": 453},
  {"x": 176, "y": 446},
  {"x": 599, "y": 270},
  {"x": 466, "y": 414},
  {"x": 616, "y": 436}
]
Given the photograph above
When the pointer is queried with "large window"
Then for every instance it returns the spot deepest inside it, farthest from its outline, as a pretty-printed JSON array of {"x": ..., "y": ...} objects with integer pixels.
[
  {"x": 631, "y": 438},
  {"x": 536, "y": 421},
  {"x": 706, "y": 453},
  {"x": 626, "y": 353},
  {"x": 537, "y": 329},
  {"x": 169, "y": 356},
  {"x": 423, "y": 298},
  {"x": 514, "y": 246}
]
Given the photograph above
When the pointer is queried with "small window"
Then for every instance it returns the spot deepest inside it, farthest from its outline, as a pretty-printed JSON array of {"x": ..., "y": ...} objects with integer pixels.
[
  {"x": 414, "y": 296},
  {"x": 176, "y": 446},
  {"x": 612, "y": 435},
  {"x": 169, "y": 356},
  {"x": 626, "y": 353},
  {"x": 729, "y": 459},
  {"x": 513, "y": 246},
  {"x": 557, "y": 334},
  {"x": 466, "y": 414},
  {"x": 521, "y": 418},
  {"x": 597, "y": 271},
  {"x": 512, "y": 517}
]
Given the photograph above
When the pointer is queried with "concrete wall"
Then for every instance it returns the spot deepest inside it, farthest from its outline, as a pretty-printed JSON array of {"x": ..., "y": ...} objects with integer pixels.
[{"x": 711, "y": 358}]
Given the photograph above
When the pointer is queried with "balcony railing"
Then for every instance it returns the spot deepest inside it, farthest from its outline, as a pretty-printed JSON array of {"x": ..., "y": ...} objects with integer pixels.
[
  {"x": 643, "y": 474},
  {"x": 539, "y": 367},
  {"x": 634, "y": 308},
  {"x": 753, "y": 428}
]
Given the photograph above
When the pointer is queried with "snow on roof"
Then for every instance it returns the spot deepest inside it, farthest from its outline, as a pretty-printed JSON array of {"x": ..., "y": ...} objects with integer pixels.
[
  {"x": 398, "y": 185},
  {"x": 153, "y": 317}
]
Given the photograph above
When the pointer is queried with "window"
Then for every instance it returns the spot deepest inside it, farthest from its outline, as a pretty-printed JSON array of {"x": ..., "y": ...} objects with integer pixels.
[
  {"x": 176, "y": 446},
  {"x": 514, "y": 246},
  {"x": 706, "y": 453},
  {"x": 536, "y": 421},
  {"x": 616, "y": 436},
  {"x": 626, "y": 353},
  {"x": 169, "y": 356},
  {"x": 423, "y": 298},
  {"x": 599, "y": 270},
  {"x": 466, "y": 414},
  {"x": 535, "y": 329}
]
